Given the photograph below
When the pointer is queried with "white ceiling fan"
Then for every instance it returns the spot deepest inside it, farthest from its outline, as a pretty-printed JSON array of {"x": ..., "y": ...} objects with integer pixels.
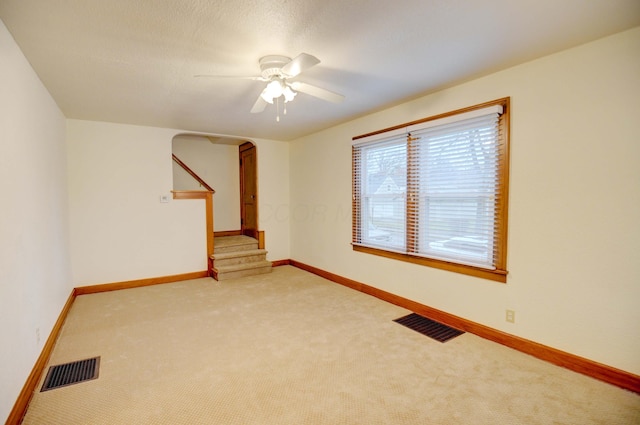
[{"x": 277, "y": 71}]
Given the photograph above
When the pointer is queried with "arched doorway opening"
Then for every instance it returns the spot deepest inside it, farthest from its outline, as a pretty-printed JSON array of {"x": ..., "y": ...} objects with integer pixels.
[{"x": 228, "y": 165}]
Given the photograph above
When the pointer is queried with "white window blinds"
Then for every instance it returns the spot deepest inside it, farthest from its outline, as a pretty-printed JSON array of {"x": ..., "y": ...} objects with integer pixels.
[
  {"x": 432, "y": 189},
  {"x": 380, "y": 180}
]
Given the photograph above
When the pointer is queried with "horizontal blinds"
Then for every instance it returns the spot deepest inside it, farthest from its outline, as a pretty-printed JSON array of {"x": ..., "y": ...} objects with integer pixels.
[
  {"x": 403, "y": 130},
  {"x": 432, "y": 189},
  {"x": 380, "y": 193},
  {"x": 454, "y": 176},
  {"x": 399, "y": 133},
  {"x": 452, "y": 119}
]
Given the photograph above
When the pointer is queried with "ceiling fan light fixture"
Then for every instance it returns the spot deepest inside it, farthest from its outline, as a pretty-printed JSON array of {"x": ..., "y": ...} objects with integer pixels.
[
  {"x": 277, "y": 72},
  {"x": 272, "y": 91},
  {"x": 288, "y": 94},
  {"x": 275, "y": 89},
  {"x": 266, "y": 97}
]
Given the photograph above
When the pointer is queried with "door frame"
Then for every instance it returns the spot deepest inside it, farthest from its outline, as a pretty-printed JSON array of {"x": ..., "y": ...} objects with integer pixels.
[{"x": 241, "y": 149}]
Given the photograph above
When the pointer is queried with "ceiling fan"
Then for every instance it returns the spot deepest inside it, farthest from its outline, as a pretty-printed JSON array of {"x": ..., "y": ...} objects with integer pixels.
[{"x": 277, "y": 71}]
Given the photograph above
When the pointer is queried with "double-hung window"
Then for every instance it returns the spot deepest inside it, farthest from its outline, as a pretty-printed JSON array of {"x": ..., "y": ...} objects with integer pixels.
[{"x": 434, "y": 191}]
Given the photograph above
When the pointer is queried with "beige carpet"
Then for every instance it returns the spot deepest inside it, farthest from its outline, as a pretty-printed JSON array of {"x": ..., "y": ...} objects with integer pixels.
[{"x": 292, "y": 348}]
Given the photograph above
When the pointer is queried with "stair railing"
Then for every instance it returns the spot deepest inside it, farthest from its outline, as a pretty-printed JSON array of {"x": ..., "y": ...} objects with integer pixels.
[
  {"x": 191, "y": 173},
  {"x": 207, "y": 195}
]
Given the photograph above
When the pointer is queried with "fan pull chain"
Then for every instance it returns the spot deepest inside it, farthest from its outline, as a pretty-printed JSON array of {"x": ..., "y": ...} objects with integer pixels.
[{"x": 278, "y": 109}]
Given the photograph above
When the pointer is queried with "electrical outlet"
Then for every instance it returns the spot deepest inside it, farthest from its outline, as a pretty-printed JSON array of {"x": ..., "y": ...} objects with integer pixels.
[{"x": 511, "y": 316}]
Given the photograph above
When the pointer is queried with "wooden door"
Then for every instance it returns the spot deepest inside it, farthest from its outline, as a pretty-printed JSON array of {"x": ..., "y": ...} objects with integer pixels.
[{"x": 248, "y": 190}]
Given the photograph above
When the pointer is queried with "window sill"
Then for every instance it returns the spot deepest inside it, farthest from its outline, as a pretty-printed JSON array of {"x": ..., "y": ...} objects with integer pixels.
[{"x": 494, "y": 275}]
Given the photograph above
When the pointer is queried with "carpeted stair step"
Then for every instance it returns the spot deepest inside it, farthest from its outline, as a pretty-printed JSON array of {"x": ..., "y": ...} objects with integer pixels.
[
  {"x": 239, "y": 257},
  {"x": 234, "y": 244},
  {"x": 241, "y": 270}
]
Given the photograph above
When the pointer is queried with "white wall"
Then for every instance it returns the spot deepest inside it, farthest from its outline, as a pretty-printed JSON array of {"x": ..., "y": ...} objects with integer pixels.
[
  {"x": 273, "y": 196},
  {"x": 34, "y": 257},
  {"x": 574, "y": 238},
  {"x": 218, "y": 165},
  {"x": 119, "y": 228}
]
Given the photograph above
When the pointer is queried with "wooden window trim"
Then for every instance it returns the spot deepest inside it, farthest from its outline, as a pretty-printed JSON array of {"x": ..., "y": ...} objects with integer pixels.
[
  {"x": 500, "y": 273},
  {"x": 495, "y": 275}
]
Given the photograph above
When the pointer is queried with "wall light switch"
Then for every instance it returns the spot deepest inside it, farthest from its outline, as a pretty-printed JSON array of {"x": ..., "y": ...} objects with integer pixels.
[{"x": 164, "y": 198}]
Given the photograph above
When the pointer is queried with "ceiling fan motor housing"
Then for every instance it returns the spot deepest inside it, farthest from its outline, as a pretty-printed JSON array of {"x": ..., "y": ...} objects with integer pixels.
[{"x": 272, "y": 65}]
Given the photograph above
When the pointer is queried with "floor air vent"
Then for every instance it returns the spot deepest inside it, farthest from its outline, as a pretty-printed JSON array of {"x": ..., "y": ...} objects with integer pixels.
[
  {"x": 71, "y": 373},
  {"x": 428, "y": 327}
]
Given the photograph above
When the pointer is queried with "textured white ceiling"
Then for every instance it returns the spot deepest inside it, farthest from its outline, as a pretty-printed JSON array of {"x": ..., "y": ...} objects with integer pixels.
[{"x": 134, "y": 61}]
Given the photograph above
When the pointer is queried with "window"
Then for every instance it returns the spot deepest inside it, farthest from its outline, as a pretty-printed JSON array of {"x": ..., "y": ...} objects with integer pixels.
[{"x": 434, "y": 191}]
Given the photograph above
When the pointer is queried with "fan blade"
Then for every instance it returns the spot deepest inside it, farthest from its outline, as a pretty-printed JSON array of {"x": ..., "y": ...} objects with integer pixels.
[
  {"x": 300, "y": 63},
  {"x": 254, "y": 78},
  {"x": 259, "y": 105},
  {"x": 317, "y": 92}
]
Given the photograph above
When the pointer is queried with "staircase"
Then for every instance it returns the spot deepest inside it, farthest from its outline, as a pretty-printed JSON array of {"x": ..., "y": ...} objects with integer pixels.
[{"x": 238, "y": 256}]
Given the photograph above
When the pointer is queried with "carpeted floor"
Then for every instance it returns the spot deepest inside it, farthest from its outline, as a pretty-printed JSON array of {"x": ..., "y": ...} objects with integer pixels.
[{"x": 292, "y": 348}]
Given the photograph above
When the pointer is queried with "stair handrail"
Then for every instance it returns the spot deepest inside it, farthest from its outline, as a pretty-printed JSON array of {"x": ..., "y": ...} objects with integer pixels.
[{"x": 192, "y": 173}]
